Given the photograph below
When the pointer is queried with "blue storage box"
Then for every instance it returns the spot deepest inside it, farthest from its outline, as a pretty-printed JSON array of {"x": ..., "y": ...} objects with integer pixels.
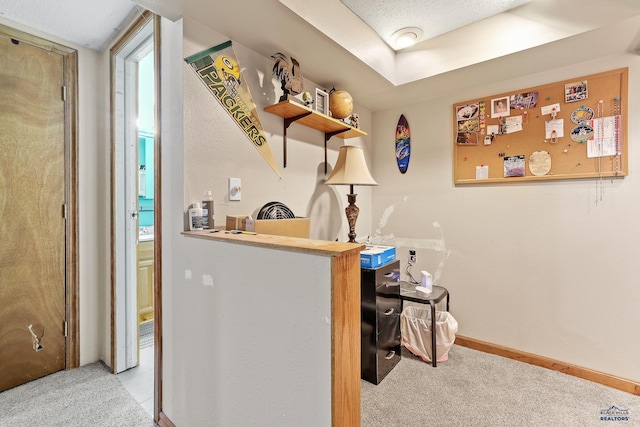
[{"x": 375, "y": 256}]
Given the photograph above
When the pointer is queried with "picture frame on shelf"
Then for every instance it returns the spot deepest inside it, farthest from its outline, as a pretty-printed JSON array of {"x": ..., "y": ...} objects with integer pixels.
[{"x": 322, "y": 102}]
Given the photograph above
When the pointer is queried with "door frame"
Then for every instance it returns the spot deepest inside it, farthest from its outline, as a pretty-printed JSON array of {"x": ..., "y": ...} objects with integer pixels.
[
  {"x": 70, "y": 209},
  {"x": 126, "y": 37},
  {"x": 126, "y": 57}
]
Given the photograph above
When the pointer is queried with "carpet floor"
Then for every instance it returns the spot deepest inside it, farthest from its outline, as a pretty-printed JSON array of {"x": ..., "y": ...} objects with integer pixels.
[
  {"x": 472, "y": 388},
  {"x": 478, "y": 389},
  {"x": 87, "y": 396}
]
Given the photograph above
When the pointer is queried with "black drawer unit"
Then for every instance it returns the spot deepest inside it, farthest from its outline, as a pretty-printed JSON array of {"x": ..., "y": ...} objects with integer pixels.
[{"x": 380, "y": 316}]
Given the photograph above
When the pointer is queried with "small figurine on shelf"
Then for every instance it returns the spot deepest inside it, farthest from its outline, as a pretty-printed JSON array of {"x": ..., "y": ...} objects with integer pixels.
[
  {"x": 307, "y": 99},
  {"x": 354, "y": 121},
  {"x": 288, "y": 71}
]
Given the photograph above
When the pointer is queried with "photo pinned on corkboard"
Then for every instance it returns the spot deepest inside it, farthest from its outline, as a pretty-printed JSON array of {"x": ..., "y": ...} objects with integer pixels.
[
  {"x": 513, "y": 165},
  {"x": 468, "y": 126},
  {"x": 467, "y": 138},
  {"x": 500, "y": 107},
  {"x": 467, "y": 112},
  {"x": 521, "y": 101},
  {"x": 576, "y": 91}
]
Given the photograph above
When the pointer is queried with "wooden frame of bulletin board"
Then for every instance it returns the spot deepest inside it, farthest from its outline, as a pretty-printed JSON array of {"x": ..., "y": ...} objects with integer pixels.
[{"x": 575, "y": 128}]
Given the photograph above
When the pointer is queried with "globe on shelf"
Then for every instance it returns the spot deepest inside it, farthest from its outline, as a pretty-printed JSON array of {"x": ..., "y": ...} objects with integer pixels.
[{"x": 340, "y": 103}]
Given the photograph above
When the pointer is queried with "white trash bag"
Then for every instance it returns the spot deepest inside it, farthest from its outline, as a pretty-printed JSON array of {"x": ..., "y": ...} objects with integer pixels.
[{"x": 416, "y": 332}]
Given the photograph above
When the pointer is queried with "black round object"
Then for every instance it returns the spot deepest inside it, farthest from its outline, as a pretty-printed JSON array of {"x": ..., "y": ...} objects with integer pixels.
[{"x": 275, "y": 210}]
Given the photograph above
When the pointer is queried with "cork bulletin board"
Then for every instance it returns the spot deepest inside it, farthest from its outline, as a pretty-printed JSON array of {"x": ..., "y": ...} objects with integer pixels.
[{"x": 570, "y": 129}]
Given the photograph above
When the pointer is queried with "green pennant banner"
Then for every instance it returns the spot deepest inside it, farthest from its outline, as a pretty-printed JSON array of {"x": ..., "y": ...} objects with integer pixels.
[{"x": 219, "y": 70}]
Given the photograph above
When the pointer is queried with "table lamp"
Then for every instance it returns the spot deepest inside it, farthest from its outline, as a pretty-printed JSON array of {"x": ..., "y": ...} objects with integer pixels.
[{"x": 351, "y": 169}]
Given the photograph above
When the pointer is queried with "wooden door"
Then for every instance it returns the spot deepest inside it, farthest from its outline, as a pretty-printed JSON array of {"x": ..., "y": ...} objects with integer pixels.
[{"x": 32, "y": 225}]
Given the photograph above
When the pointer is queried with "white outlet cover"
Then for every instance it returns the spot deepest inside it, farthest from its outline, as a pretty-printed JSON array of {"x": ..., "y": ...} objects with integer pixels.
[{"x": 235, "y": 189}]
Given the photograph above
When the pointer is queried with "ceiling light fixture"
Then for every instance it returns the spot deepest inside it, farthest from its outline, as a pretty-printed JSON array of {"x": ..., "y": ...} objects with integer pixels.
[{"x": 406, "y": 37}]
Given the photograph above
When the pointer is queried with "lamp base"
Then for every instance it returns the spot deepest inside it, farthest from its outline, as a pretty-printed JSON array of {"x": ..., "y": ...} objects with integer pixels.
[{"x": 352, "y": 212}]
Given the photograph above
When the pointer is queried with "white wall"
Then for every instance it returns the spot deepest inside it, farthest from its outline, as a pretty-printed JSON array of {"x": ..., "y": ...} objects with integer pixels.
[
  {"x": 95, "y": 201},
  {"x": 170, "y": 202},
  {"x": 540, "y": 266},
  {"x": 93, "y": 196},
  {"x": 251, "y": 336}
]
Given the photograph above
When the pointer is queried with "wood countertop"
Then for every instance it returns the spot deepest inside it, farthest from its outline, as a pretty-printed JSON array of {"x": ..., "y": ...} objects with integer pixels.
[{"x": 296, "y": 244}]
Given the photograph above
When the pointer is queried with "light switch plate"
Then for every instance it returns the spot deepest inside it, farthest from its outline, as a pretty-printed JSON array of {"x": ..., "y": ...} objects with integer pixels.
[{"x": 235, "y": 189}]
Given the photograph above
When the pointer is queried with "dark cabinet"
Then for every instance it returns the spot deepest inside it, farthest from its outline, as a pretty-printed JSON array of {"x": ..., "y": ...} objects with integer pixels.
[{"x": 380, "y": 316}]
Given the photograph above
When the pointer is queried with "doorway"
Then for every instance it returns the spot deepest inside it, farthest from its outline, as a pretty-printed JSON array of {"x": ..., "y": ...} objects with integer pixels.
[
  {"x": 38, "y": 208},
  {"x": 134, "y": 285}
]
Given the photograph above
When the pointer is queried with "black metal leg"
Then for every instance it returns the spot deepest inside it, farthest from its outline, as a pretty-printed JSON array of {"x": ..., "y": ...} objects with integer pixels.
[
  {"x": 409, "y": 296},
  {"x": 434, "y": 363}
]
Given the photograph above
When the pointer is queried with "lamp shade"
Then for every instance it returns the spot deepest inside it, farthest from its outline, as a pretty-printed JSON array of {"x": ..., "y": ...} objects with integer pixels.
[{"x": 351, "y": 168}]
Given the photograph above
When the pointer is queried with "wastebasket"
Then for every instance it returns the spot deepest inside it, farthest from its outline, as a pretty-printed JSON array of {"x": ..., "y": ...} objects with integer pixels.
[{"x": 416, "y": 332}]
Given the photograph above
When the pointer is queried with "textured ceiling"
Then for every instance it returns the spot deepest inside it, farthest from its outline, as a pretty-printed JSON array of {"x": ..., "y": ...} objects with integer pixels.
[
  {"x": 433, "y": 17},
  {"x": 89, "y": 23}
]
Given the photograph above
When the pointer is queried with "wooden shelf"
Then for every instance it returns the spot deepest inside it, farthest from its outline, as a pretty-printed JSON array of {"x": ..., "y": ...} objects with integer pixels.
[{"x": 293, "y": 112}]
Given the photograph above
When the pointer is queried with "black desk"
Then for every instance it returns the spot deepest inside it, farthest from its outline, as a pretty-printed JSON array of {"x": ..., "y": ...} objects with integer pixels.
[{"x": 408, "y": 293}]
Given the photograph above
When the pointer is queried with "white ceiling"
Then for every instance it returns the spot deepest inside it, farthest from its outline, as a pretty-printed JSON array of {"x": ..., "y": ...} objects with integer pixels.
[
  {"x": 337, "y": 48},
  {"x": 432, "y": 17},
  {"x": 88, "y": 23}
]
